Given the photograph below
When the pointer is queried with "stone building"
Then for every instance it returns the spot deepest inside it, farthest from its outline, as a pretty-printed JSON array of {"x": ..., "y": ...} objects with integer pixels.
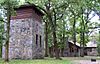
[
  {"x": 69, "y": 49},
  {"x": 91, "y": 48},
  {"x": 91, "y": 51},
  {"x": 26, "y": 33}
]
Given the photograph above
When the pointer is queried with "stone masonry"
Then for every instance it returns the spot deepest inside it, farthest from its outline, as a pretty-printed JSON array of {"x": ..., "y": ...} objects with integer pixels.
[{"x": 23, "y": 43}]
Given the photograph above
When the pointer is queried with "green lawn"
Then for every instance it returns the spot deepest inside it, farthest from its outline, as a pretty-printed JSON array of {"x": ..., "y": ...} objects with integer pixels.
[
  {"x": 39, "y": 61},
  {"x": 66, "y": 60}
]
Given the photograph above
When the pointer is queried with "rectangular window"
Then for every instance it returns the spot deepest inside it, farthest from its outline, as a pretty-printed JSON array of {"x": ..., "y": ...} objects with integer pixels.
[
  {"x": 40, "y": 42},
  {"x": 36, "y": 40}
]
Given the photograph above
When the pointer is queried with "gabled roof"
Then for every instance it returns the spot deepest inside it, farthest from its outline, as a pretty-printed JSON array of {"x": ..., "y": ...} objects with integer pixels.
[
  {"x": 28, "y": 5},
  {"x": 92, "y": 44},
  {"x": 89, "y": 44},
  {"x": 77, "y": 44}
]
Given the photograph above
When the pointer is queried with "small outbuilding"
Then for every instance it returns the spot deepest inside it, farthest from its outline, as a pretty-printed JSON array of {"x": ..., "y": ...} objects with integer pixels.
[
  {"x": 91, "y": 48},
  {"x": 26, "y": 33},
  {"x": 69, "y": 49}
]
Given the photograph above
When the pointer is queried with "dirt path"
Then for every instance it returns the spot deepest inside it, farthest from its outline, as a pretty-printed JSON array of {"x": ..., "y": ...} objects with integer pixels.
[{"x": 86, "y": 62}]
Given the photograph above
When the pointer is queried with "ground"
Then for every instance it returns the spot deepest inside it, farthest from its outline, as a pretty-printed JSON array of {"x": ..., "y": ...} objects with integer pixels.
[
  {"x": 66, "y": 60},
  {"x": 85, "y": 60},
  {"x": 39, "y": 61}
]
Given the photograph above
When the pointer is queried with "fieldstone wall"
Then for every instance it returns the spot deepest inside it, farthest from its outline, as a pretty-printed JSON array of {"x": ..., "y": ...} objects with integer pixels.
[
  {"x": 22, "y": 39},
  {"x": 38, "y": 51},
  {"x": 93, "y": 52}
]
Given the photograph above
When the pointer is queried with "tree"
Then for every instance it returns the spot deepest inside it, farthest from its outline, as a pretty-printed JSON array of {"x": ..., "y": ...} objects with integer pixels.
[
  {"x": 78, "y": 12},
  {"x": 1, "y": 36},
  {"x": 46, "y": 37},
  {"x": 9, "y": 6},
  {"x": 51, "y": 9}
]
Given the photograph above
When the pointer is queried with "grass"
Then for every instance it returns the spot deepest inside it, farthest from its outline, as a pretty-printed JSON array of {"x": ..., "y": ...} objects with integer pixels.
[
  {"x": 38, "y": 61},
  {"x": 66, "y": 60}
]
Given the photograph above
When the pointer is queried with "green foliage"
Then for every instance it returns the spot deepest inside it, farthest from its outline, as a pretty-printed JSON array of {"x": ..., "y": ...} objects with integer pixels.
[
  {"x": 8, "y": 6},
  {"x": 70, "y": 9}
]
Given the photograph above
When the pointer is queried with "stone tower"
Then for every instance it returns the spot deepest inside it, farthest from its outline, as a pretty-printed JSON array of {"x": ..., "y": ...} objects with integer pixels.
[{"x": 26, "y": 33}]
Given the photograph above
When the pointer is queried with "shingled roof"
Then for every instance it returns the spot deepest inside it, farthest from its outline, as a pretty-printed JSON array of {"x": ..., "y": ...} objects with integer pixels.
[
  {"x": 92, "y": 44},
  {"x": 77, "y": 44},
  {"x": 89, "y": 44}
]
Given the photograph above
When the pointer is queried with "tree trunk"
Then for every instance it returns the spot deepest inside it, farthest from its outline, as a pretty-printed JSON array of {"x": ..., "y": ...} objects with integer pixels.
[
  {"x": 1, "y": 46},
  {"x": 67, "y": 46},
  {"x": 0, "y": 50},
  {"x": 46, "y": 40},
  {"x": 57, "y": 51},
  {"x": 83, "y": 44},
  {"x": 83, "y": 34},
  {"x": 82, "y": 48},
  {"x": 74, "y": 35},
  {"x": 54, "y": 37},
  {"x": 62, "y": 50},
  {"x": 63, "y": 39},
  {"x": 51, "y": 52},
  {"x": 80, "y": 44},
  {"x": 53, "y": 25},
  {"x": 7, "y": 52},
  {"x": 8, "y": 35}
]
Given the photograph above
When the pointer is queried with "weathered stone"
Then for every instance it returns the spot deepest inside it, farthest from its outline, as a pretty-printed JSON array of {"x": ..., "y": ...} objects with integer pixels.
[
  {"x": 24, "y": 44},
  {"x": 22, "y": 39}
]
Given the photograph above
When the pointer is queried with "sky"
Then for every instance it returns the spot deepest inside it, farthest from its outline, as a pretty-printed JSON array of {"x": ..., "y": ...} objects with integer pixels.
[{"x": 95, "y": 19}]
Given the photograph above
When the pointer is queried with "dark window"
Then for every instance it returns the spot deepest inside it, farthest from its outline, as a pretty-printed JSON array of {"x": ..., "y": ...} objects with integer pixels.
[
  {"x": 40, "y": 42},
  {"x": 72, "y": 50},
  {"x": 36, "y": 40},
  {"x": 77, "y": 49},
  {"x": 91, "y": 50}
]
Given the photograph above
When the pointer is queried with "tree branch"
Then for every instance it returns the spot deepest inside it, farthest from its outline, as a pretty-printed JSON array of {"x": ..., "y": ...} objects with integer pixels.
[{"x": 42, "y": 9}]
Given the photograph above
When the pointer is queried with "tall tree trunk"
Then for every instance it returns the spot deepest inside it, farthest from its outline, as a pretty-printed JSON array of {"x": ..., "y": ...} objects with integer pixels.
[
  {"x": 63, "y": 40},
  {"x": 81, "y": 52},
  {"x": 83, "y": 34},
  {"x": 53, "y": 25},
  {"x": 67, "y": 46},
  {"x": 51, "y": 50},
  {"x": 8, "y": 34},
  {"x": 74, "y": 36},
  {"x": 62, "y": 51},
  {"x": 54, "y": 36},
  {"x": 83, "y": 43},
  {"x": 55, "y": 45},
  {"x": 1, "y": 47},
  {"x": 83, "y": 38},
  {"x": 46, "y": 39},
  {"x": 0, "y": 50},
  {"x": 57, "y": 50}
]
